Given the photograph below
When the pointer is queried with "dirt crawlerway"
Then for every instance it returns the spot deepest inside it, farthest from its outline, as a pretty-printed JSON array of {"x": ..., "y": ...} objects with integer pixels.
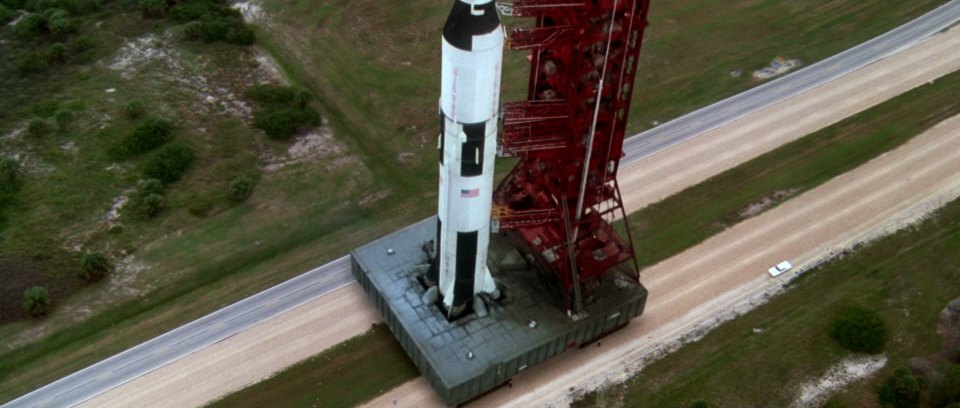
[{"x": 686, "y": 300}]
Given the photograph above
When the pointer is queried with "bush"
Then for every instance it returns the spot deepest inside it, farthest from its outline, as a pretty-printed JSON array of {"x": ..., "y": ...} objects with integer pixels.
[
  {"x": 699, "y": 404},
  {"x": 951, "y": 384},
  {"x": 9, "y": 175},
  {"x": 58, "y": 22},
  {"x": 859, "y": 330},
  {"x": 13, "y": 4},
  {"x": 199, "y": 205},
  {"x": 900, "y": 390},
  {"x": 169, "y": 163},
  {"x": 94, "y": 266},
  {"x": 46, "y": 108},
  {"x": 189, "y": 11},
  {"x": 282, "y": 123},
  {"x": 272, "y": 94},
  {"x": 240, "y": 188},
  {"x": 31, "y": 26},
  {"x": 135, "y": 109},
  {"x": 38, "y": 127},
  {"x": 57, "y": 54},
  {"x": 152, "y": 8},
  {"x": 148, "y": 135},
  {"x": 31, "y": 63},
  {"x": 147, "y": 201},
  {"x": 64, "y": 118},
  {"x": 36, "y": 301},
  {"x": 240, "y": 34},
  {"x": 6, "y": 15}
]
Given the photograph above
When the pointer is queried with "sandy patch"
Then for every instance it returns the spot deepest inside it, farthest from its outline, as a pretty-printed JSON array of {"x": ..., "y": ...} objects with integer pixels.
[
  {"x": 315, "y": 146},
  {"x": 137, "y": 58},
  {"x": 815, "y": 393},
  {"x": 251, "y": 10}
]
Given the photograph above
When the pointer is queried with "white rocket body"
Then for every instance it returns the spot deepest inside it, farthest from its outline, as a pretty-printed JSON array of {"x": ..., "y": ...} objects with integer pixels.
[{"x": 469, "y": 109}]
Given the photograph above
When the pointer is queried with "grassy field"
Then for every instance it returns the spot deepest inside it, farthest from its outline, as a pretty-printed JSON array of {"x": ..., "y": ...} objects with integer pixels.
[
  {"x": 377, "y": 92},
  {"x": 908, "y": 278},
  {"x": 708, "y": 208},
  {"x": 342, "y": 376}
]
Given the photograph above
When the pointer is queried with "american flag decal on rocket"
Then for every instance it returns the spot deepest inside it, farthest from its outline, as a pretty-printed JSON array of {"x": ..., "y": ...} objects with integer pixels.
[{"x": 473, "y": 192}]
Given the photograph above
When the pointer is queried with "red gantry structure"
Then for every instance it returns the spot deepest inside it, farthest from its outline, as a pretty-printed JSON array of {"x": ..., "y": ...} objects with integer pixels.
[{"x": 562, "y": 197}]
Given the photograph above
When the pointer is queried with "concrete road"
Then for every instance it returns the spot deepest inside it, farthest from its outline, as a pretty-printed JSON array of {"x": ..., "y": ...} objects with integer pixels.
[{"x": 229, "y": 321}]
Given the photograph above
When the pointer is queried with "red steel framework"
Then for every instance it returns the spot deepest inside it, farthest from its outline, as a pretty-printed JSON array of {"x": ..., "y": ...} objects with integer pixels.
[{"x": 562, "y": 197}]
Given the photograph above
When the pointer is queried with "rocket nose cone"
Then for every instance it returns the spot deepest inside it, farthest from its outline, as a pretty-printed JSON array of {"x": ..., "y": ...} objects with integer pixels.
[{"x": 468, "y": 19}]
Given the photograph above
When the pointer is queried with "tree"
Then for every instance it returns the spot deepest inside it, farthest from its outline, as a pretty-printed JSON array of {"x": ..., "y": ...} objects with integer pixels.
[
  {"x": 900, "y": 390},
  {"x": 859, "y": 329},
  {"x": 240, "y": 188},
  {"x": 36, "y": 301},
  {"x": 94, "y": 266},
  {"x": 6, "y": 15},
  {"x": 148, "y": 135}
]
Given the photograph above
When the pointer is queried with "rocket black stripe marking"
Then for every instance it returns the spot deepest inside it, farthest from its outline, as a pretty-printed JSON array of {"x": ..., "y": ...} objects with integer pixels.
[
  {"x": 433, "y": 273},
  {"x": 443, "y": 135},
  {"x": 466, "y": 266},
  {"x": 462, "y": 25},
  {"x": 471, "y": 163}
]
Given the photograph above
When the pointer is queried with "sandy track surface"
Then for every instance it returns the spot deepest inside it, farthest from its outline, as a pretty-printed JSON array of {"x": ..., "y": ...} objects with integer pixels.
[
  {"x": 307, "y": 330},
  {"x": 729, "y": 270}
]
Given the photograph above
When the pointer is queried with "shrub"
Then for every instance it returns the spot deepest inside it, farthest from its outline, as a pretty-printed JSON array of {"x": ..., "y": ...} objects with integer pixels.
[
  {"x": 900, "y": 390},
  {"x": 31, "y": 63},
  {"x": 94, "y": 266},
  {"x": 240, "y": 188},
  {"x": 193, "y": 31},
  {"x": 63, "y": 117},
  {"x": 860, "y": 330},
  {"x": 148, "y": 135},
  {"x": 240, "y": 34},
  {"x": 699, "y": 404},
  {"x": 271, "y": 94},
  {"x": 152, "y": 8},
  {"x": 38, "y": 127},
  {"x": 147, "y": 201},
  {"x": 169, "y": 163},
  {"x": 36, "y": 301},
  {"x": 57, "y": 54},
  {"x": 6, "y": 15},
  {"x": 13, "y": 4},
  {"x": 46, "y": 108},
  {"x": 9, "y": 175},
  {"x": 135, "y": 109},
  {"x": 58, "y": 22},
  {"x": 282, "y": 123},
  {"x": 82, "y": 49},
  {"x": 199, "y": 205},
  {"x": 951, "y": 384},
  {"x": 31, "y": 26},
  {"x": 189, "y": 11}
]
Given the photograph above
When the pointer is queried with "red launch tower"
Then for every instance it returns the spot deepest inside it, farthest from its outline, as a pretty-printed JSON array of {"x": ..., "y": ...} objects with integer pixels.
[{"x": 562, "y": 197}]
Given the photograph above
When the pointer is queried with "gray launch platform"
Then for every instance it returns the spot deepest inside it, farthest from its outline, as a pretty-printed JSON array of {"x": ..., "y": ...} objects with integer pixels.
[{"x": 472, "y": 355}]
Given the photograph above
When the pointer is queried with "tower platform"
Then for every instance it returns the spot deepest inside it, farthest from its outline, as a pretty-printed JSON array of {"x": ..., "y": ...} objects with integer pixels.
[{"x": 469, "y": 356}]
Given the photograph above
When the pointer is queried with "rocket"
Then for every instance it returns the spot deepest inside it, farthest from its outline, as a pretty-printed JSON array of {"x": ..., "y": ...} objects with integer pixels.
[{"x": 472, "y": 55}]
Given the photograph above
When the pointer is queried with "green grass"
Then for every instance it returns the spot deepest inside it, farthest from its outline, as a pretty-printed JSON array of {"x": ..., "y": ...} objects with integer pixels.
[
  {"x": 701, "y": 211},
  {"x": 907, "y": 277},
  {"x": 690, "y": 217},
  {"x": 378, "y": 92},
  {"x": 342, "y": 376}
]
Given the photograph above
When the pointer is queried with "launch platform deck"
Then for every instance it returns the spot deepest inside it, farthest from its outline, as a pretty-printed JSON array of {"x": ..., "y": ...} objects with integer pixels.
[{"x": 470, "y": 356}]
